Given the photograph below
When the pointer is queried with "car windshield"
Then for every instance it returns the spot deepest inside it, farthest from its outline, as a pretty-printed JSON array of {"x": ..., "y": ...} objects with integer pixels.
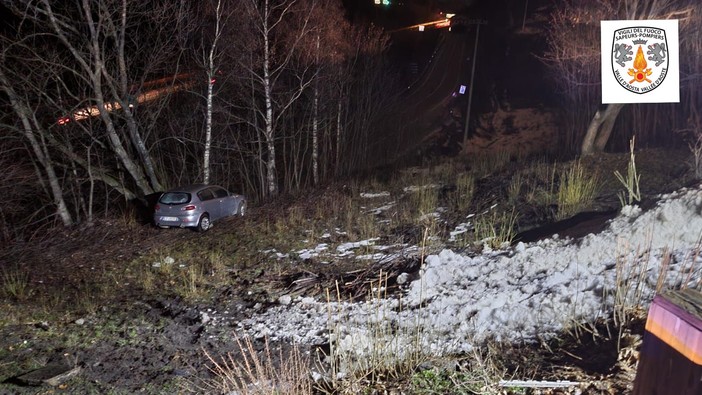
[{"x": 175, "y": 198}]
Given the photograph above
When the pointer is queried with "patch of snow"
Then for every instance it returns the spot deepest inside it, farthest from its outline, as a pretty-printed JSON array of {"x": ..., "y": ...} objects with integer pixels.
[
  {"x": 415, "y": 188},
  {"x": 381, "y": 209},
  {"x": 378, "y": 256},
  {"x": 368, "y": 195},
  {"x": 631, "y": 211},
  {"x": 459, "y": 230},
  {"x": 306, "y": 253},
  {"x": 357, "y": 244},
  {"x": 528, "y": 292}
]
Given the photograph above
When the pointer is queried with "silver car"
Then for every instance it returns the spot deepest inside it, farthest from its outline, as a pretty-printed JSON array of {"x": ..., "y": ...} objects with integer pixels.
[{"x": 197, "y": 206}]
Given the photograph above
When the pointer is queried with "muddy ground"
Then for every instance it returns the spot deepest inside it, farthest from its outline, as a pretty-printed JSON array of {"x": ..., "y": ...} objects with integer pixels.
[{"x": 84, "y": 306}]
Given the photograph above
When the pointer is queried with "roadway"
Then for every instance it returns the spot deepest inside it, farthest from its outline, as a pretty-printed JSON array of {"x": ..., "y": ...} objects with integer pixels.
[
  {"x": 424, "y": 106},
  {"x": 441, "y": 79}
]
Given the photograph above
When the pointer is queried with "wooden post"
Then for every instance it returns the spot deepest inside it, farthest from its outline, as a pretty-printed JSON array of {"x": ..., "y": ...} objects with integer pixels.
[{"x": 670, "y": 361}]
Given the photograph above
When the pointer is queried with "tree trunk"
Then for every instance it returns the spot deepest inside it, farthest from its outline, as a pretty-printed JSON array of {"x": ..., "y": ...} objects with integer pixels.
[
  {"x": 315, "y": 121},
  {"x": 94, "y": 74},
  {"x": 208, "y": 134},
  {"x": 607, "y": 126},
  {"x": 338, "y": 138},
  {"x": 271, "y": 179},
  {"x": 211, "y": 74},
  {"x": 132, "y": 126},
  {"x": 40, "y": 151},
  {"x": 600, "y": 129}
]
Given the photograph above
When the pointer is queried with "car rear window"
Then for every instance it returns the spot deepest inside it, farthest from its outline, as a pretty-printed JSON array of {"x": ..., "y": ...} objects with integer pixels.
[{"x": 175, "y": 198}]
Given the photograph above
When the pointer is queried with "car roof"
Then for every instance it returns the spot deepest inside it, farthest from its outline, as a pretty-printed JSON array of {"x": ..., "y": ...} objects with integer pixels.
[{"x": 194, "y": 188}]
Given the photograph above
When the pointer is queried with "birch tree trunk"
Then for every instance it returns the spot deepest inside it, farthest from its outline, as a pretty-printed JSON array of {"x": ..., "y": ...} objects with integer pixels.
[
  {"x": 276, "y": 29},
  {"x": 40, "y": 151},
  {"x": 208, "y": 135},
  {"x": 315, "y": 121},
  {"x": 211, "y": 68},
  {"x": 271, "y": 177},
  {"x": 338, "y": 137}
]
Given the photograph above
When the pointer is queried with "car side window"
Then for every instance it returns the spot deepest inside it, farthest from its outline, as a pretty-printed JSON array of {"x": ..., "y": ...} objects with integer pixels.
[
  {"x": 220, "y": 192},
  {"x": 205, "y": 194}
]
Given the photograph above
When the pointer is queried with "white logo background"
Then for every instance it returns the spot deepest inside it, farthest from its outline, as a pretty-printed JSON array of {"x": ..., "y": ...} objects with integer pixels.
[{"x": 616, "y": 88}]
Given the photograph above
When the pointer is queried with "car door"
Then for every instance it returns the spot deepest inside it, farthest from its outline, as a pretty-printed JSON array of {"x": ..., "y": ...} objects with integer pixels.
[
  {"x": 225, "y": 204},
  {"x": 209, "y": 204}
]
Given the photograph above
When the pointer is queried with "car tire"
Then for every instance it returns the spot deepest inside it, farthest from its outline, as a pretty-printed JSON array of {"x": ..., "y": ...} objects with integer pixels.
[
  {"x": 242, "y": 209},
  {"x": 204, "y": 223}
]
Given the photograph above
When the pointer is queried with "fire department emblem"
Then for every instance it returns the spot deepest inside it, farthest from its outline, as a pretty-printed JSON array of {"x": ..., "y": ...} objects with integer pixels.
[{"x": 640, "y": 58}]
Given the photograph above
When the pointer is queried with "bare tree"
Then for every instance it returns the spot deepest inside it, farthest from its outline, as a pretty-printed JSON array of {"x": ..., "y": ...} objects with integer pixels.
[
  {"x": 574, "y": 56},
  {"x": 276, "y": 28},
  {"x": 327, "y": 48},
  {"x": 38, "y": 147},
  {"x": 90, "y": 56},
  {"x": 211, "y": 57},
  {"x": 87, "y": 62},
  {"x": 105, "y": 56},
  {"x": 364, "y": 99}
]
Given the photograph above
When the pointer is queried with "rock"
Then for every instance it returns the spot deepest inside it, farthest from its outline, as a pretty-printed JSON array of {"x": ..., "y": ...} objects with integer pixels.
[
  {"x": 80, "y": 321},
  {"x": 43, "y": 325},
  {"x": 53, "y": 374},
  {"x": 285, "y": 300},
  {"x": 402, "y": 278}
]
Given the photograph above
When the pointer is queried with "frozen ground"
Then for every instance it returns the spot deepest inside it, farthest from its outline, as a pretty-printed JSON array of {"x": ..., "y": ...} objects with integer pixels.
[{"x": 526, "y": 292}]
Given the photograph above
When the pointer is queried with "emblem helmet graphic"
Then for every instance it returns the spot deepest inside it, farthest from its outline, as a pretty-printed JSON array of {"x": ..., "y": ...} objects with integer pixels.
[{"x": 635, "y": 71}]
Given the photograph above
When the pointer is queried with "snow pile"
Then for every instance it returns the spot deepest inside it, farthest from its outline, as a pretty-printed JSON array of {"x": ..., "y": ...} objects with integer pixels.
[{"x": 528, "y": 292}]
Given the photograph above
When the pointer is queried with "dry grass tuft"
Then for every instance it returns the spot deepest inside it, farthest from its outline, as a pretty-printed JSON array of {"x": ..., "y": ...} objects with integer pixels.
[
  {"x": 15, "y": 284},
  {"x": 382, "y": 351},
  {"x": 254, "y": 372},
  {"x": 576, "y": 191},
  {"x": 495, "y": 229}
]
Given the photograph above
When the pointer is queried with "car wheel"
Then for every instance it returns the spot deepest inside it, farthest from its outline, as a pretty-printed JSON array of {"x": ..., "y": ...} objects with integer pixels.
[
  {"x": 204, "y": 223},
  {"x": 242, "y": 208}
]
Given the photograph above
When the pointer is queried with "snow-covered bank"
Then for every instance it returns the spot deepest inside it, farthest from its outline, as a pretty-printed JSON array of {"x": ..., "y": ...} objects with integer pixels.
[{"x": 530, "y": 291}]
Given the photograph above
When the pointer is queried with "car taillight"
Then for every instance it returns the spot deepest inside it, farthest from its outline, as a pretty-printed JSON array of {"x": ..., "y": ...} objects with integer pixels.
[
  {"x": 157, "y": 207},
  {"x": 189, "y": 207}
]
